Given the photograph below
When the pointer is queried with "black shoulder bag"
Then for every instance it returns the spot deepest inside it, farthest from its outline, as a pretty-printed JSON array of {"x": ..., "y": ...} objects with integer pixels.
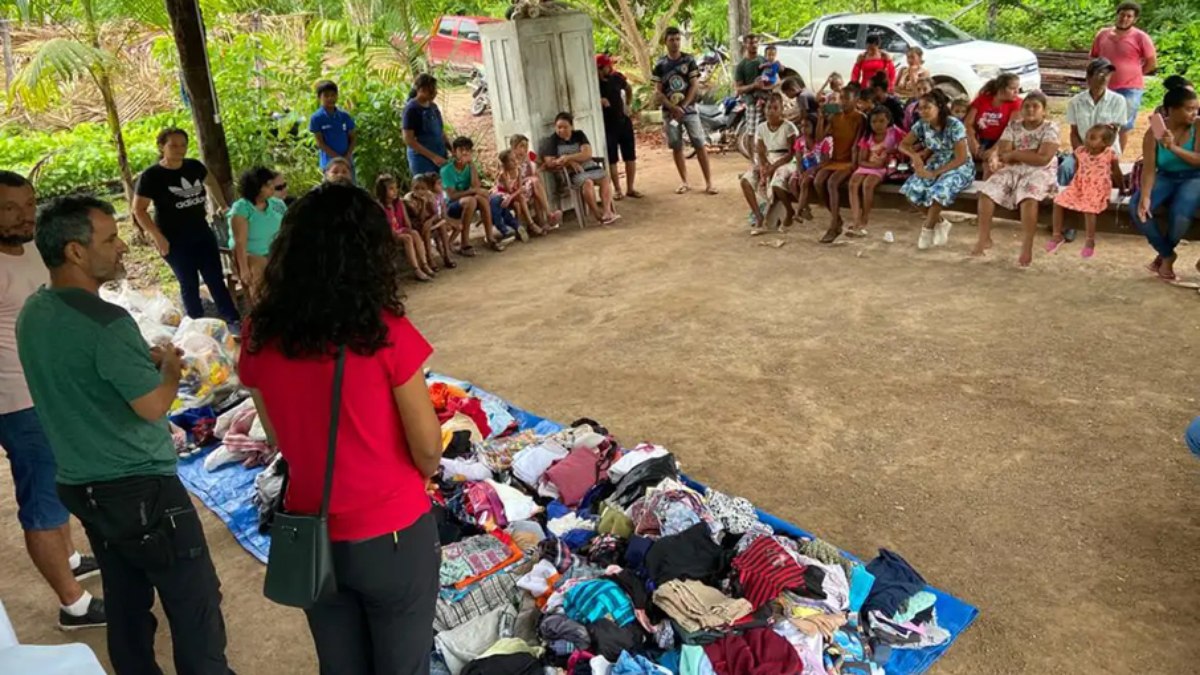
[{"x": 300, "y": 565}]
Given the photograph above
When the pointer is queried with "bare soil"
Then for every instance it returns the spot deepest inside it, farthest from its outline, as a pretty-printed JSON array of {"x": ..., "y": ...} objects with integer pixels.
[{"x": 1015, "y": 434}]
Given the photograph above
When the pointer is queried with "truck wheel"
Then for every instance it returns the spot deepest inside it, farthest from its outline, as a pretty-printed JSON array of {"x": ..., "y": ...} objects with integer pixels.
[{"x": 951, "y": 88}]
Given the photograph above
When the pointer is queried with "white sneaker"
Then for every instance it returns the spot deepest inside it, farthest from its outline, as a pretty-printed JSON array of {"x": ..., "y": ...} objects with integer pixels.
[
  {"x": 926, "y": 238},
  {"x": 941, "y": 233}
]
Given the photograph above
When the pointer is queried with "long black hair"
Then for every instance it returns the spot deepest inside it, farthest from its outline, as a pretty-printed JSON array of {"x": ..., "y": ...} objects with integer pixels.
[
  {"x": 942, "y": 101},
  {"x": 1177, "y": 97},
  {"x": 332, "y": 274}
]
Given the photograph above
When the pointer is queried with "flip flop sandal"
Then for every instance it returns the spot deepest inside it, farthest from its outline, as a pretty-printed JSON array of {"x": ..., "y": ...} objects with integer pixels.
[
  {"x": 1052, "y": 246},
  {"x": 682, "y": 189},
  {"x": 635, "y": 194},
  {"x": 710, "y": 191},
  {"x": 617, "y": 196},
  {"x": 1087, "y": 252},
  {"x": 468, "y": 252},
  {"x": 611, "y": 219},
  {"x": 831, "y": 235}
]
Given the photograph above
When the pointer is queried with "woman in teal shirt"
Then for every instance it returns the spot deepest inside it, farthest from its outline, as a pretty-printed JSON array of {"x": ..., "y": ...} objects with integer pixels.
[
  {"x": 1170, "y": 180},
  {"x": 253, "y": 223}
]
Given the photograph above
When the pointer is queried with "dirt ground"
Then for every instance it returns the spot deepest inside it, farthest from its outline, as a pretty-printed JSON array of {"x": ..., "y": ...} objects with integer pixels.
[{"x": 1009, "y": 432}]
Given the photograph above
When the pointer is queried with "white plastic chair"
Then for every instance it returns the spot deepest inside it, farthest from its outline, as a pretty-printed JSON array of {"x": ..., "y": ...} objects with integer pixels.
[{"x": 69, "y": 659}]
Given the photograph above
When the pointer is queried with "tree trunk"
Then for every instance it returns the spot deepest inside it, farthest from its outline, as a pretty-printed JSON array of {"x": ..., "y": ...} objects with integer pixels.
[
  {"x": 739, "y": 25},
  {"x": 6, "y": 45},
  {"x": 188, "y": 29},
  {"x": 993, "y": 14}
]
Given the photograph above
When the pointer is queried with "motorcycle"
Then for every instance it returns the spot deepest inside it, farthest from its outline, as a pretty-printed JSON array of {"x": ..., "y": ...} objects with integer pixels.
[
  {"x": 724, "y": 125},
  {"x": 480, "y": 103}
]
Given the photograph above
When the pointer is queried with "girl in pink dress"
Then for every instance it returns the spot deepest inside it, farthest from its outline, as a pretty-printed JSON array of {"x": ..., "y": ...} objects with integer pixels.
[
  {"x": 531, "y": 184},
  {"x": 388, "y": 195},
  {"x": 872, "y": 154},
  {"x": 1089, "y": 192}
]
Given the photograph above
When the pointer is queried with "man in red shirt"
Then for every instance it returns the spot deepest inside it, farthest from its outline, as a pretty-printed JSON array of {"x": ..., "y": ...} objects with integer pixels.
[{"x": 1132, "y": 52}]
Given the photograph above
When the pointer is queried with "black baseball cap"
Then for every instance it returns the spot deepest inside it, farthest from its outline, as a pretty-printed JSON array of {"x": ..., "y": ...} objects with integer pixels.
[{"x": 1099, "y": 64}]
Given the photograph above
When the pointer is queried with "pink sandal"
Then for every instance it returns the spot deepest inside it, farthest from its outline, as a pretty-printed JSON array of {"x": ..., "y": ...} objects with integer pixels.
[
  {"x": 1088, "y": 251},
  {"x": 1053, "y": 245}
]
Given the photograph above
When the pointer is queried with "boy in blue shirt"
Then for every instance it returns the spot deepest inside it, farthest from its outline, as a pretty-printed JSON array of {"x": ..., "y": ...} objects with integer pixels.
[{"x": 332, "y": 127}]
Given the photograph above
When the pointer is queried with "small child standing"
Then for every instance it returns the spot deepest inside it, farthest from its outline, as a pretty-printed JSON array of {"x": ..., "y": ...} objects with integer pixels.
[
  {"x": 531, "y": 183},
  {"x": 332, "y": 127},
  {"x": 1098, "y": 170},
  {"x": 871, "y": 156},
  {"x": 429, "y": 211},
  {"x": 387, "y": 193},
  {"x": 770, "y": 66}
]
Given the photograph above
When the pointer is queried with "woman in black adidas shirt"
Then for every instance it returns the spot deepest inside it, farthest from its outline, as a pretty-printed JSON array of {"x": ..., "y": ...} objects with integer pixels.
[{"x": 176, "y": 187}]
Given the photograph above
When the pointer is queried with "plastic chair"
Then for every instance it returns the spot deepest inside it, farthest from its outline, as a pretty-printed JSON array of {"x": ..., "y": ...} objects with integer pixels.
[
  {"x": 576, "y": 192},
  {"x": 69, "y": 659}
]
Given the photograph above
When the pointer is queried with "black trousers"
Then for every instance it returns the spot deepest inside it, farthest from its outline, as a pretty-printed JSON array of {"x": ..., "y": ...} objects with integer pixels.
[
  {"x": 147, "y": 537},
  {"x": 194, "y": 254},
  {"x": 381, "y": 620}
]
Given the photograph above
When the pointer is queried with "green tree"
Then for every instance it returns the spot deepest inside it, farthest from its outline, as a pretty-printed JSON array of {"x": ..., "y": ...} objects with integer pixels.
[{"x": 95, "y": 32}]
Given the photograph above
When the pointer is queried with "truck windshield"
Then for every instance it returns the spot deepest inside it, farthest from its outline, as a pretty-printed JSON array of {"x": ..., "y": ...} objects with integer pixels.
[{"x": 934, "y": 33}]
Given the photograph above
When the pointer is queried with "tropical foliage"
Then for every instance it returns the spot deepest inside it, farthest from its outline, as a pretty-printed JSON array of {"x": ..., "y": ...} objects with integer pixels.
[{"x": 266, "y": 56}]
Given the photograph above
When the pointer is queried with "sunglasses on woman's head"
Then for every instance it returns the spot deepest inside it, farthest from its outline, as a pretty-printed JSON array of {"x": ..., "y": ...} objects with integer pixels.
[{"x": 280, "y": 187}]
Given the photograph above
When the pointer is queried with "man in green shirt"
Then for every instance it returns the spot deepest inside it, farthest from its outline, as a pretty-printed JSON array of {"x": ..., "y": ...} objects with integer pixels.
[
  {"x": 748, "y": 82},
  {"x": 103, "y": 397}
]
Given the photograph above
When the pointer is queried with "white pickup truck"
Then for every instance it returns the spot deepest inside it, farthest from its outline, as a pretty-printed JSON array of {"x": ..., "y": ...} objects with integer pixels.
[{"x": 959, "y": 63}]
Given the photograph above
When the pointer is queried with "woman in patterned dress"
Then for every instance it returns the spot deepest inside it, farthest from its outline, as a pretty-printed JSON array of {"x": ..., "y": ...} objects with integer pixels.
[
  {"x": 942, "y": 168},
  {"x": 1024, "y": 171}
]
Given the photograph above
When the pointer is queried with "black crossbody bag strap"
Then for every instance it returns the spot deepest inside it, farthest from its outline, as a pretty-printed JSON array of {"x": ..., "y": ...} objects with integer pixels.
[{"x": 339, "y": 370}]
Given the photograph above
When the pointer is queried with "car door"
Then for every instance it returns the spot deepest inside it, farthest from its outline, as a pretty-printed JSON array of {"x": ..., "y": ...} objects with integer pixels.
[
  {"x": 795, "y": 53},
  {"x": 468, "y": 51},
  {"x": 441, "y": 43},
  {"x": 836, "y": 49}
]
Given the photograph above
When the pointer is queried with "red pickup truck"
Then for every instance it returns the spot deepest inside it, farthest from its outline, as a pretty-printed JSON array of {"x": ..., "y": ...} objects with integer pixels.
[{"x": 454, "y": 42}]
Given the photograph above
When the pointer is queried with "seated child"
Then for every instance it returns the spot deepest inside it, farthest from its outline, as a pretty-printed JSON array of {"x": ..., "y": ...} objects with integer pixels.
[
  {"x": 808, "y": 154},
  {"x": 846, "y": 127},
  {"x": 387, "y": 193},
  {"x": 831, "y": 101},
  {"x": 512, "y": 197},
  {"x": 338, "y": 170},
  {"x": 924, "y": 86},
  {"x": 959, "y": 108},
  {"x": 531, "y": 183},
  {"x": 1098, "y": 169},
  {"x": 427, "y": 205},
  {"x": 873, "y": 153},
  {"x": 912, "y": 74}
]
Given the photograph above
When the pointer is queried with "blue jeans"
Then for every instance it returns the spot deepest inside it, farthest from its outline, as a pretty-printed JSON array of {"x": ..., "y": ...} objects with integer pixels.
[
  {"x": 1193, "y": 436},
  {"x": 33, "y": 469},
  {"x": 504, "y": 219},
  {"x": 1180, "y": 191},
  {"x": 1066, "y": 170},
  {"x": 1133, "y": 99},
  {"x": 193, "y": 255}
]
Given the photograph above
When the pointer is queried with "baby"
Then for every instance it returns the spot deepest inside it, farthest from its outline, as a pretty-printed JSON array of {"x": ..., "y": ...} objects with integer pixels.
[{"x": 770, "y": 67}]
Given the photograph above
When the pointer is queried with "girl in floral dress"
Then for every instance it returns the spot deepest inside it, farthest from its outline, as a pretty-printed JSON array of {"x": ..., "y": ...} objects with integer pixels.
[
  {"x": 1091, "y": 188},
  {"x": 941, "y": 170},
  {"x": 1024, "y": 171}
]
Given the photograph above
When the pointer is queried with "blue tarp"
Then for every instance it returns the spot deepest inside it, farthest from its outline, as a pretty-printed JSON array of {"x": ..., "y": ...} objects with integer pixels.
[{"x": 228, "y": 492}]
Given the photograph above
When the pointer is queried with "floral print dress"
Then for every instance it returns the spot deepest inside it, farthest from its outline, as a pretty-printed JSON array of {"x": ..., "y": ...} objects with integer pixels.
[
  {"x": 945, "y": 188},
  {"x": 1016, "y": 183},
  {"x": 1092, "y": 186}
]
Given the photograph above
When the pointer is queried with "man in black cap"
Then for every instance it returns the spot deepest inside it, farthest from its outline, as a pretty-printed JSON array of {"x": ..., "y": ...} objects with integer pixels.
[{"x": 1097, "y": 105}]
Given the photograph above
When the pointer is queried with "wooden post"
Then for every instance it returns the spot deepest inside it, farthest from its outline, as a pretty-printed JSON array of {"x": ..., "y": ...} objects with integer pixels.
[
  {"x": 739, "y": 25},
  {"x": 188, "y": 29}
]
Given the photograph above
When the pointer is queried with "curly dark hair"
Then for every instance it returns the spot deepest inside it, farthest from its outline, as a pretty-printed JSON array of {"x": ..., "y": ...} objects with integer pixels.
[
  {"x": 333, "y": 272},
  {"x": 251, "y": 182}
]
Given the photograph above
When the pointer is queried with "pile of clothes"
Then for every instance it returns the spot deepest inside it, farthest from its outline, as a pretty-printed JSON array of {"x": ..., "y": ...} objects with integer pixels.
[{"x": 565, "y": 552}]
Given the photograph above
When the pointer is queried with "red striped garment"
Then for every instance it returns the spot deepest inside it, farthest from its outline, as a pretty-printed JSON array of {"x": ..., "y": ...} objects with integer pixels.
[{"x": 766, "y": 570}]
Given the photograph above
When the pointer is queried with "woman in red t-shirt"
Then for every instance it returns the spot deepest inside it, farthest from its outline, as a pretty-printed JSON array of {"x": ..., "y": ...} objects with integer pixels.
[
  {"x": 989, "y": 115},
  {"x": 333, "y": 280},
  {"x": 872, "y": 61}
]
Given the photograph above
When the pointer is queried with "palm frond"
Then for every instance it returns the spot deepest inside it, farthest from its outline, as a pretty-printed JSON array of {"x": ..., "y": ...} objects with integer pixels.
[
  {"x": 55, "y": 63},
  {"x": 330, "y": 31}
]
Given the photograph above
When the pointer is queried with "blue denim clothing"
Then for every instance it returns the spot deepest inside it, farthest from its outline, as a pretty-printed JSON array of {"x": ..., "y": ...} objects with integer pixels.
[
  {"x": 504, "y": 219},
  {"x": 1180, "y": 192},
  {"x": 1133, "y": 98},
  {"x": 1193, "y": 436},
  {"x": 33, "y": 469},
  {"x": 1066, "y": 169}
]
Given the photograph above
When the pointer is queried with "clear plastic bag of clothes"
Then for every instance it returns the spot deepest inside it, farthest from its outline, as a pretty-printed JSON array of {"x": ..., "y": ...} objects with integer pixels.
[
  {"x": 156, "y": 316},
  {"x": 209, "y": 362}
]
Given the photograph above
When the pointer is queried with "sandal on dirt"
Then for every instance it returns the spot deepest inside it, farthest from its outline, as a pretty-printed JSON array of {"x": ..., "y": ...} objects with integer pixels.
[
  {"x": 683, "y": 187},
  {"x": 449, "y": 264},
  {"x": 831, "y": 235},
  {"x": 617, "y": 196},
  {"x": 1088, "y": 251},
  {"x": 1053, "y": 245},
  {"x": 611, "y": 219},
  {"x": 710, "y": 190},
  {"x": 468, "y": 252},
  {"x": 635, "y": 194},
  {"x": 856, "y": 231}
]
